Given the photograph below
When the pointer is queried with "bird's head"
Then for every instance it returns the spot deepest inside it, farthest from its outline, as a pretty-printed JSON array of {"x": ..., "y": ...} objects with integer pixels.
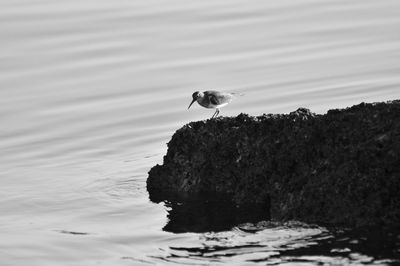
[{"x": 196, "y": 95}]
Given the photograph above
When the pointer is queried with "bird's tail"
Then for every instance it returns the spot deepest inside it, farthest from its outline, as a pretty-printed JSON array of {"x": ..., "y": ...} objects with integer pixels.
[{"x": 237, "y": 94}]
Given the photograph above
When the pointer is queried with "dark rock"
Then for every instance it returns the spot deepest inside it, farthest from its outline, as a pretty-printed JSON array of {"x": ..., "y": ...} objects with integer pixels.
[{"x": 339, "y": 168}]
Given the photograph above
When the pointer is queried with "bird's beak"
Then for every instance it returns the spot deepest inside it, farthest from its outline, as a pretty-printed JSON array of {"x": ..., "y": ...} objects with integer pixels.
[{"x": 191, "y": 103}]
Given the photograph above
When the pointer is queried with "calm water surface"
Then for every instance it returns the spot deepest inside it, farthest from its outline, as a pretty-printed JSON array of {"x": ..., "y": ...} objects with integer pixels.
[{"x": 91, "y": 91}]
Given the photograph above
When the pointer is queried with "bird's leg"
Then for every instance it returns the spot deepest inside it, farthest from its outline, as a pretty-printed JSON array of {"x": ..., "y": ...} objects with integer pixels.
[{"x": 215, "y": 114}]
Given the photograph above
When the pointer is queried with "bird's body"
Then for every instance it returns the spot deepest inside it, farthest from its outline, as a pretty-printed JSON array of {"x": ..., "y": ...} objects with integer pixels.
[{"x": 212, "y": 99}]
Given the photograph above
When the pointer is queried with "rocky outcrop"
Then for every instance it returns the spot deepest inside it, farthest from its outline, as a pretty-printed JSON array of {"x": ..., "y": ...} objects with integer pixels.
[{"x": 339, "y": 168}]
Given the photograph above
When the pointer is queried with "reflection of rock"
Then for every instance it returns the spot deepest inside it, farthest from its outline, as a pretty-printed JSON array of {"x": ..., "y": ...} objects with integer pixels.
[
  {"x": 338, "y": 168},
  {"x": 214, "y": 214},
  {"x": 288, "y": 243}
]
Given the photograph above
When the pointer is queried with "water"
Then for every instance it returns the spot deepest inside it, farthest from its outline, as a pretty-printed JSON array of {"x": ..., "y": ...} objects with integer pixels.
[{"x": 90, "y": 92}]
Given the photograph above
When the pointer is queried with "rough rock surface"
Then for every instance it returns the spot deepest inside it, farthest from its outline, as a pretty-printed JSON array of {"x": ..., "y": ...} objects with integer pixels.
[{"x": 341, "y": 168}]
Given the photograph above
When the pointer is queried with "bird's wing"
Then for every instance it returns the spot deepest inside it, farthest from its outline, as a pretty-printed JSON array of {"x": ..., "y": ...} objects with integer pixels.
[
  {"x": 213, "y": 99},
  {"x": 217, "y": 97}
]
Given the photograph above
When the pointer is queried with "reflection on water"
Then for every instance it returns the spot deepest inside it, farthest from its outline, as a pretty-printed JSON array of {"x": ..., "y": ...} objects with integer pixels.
[
  {"x": 90, "y": 92},
  {"x": 271, "y": 243},
  {"x": 214, "y": 214}
]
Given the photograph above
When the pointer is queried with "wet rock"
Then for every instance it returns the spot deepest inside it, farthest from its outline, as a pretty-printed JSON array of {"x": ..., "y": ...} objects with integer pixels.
[{"x": 339, "y": 168}]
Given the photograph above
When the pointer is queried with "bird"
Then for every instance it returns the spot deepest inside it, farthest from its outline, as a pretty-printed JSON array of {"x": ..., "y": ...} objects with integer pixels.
[{"x": 212, "y": 99}]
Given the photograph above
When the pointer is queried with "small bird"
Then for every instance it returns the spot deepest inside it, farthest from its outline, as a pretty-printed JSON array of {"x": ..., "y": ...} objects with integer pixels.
[{"x": 212, "y": 99}]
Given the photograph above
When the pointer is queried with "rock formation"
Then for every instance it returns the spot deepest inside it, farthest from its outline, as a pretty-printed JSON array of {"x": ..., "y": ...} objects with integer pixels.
[{"x": 340, "y": 168}]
